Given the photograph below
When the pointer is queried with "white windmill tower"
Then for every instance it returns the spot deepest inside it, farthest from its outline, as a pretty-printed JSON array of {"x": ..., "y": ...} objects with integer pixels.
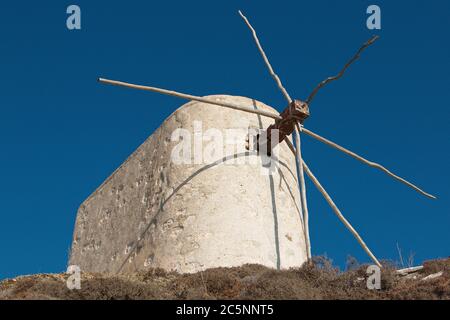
[{"x": 210, "y": 215}]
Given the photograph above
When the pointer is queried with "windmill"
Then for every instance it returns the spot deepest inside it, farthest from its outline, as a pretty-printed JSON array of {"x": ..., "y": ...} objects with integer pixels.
[{"x": 291, "y": 121}]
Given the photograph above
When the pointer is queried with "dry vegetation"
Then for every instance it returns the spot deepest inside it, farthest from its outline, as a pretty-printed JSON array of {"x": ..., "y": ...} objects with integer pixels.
[{"x": 318, "y": 281}]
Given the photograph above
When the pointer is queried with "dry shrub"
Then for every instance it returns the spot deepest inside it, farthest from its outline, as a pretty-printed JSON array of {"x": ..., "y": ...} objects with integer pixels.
[{"x": 318, "y": 280}]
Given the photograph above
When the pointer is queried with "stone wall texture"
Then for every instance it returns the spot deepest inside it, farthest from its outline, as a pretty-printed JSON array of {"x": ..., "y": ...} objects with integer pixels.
[{"x": 152, "y": 212}]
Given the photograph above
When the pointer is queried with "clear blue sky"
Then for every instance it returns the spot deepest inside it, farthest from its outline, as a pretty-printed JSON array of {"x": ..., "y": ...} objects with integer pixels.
[{"x": 62, "y": 133}]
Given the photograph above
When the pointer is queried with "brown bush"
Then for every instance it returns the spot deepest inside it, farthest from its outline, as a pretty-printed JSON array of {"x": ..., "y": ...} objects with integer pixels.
[{"x": 319, "y": 280}]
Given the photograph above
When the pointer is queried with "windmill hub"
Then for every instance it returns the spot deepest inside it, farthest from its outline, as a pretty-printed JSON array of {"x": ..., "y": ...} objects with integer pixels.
[{"x": 296, "y": 111}]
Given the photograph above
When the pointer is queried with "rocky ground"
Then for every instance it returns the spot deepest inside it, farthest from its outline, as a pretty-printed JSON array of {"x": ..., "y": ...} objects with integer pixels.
[{"x": 318, "y": 281}]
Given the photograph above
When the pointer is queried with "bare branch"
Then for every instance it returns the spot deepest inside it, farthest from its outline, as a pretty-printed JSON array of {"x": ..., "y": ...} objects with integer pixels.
[
  {"x": 339, "y": 214},
  {"x": 266, "y": 60},
  {"x": 341, "y": 73},
  {"x": 191, "y": 97},
  {"x": 369, "y": 163},
  {"x": 400, "y": 255},
  {"x": 302, "y": 187}
]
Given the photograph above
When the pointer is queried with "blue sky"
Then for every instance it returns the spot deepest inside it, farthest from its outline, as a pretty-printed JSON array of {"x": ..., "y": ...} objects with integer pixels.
[{"x": 62, "y": 133}]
